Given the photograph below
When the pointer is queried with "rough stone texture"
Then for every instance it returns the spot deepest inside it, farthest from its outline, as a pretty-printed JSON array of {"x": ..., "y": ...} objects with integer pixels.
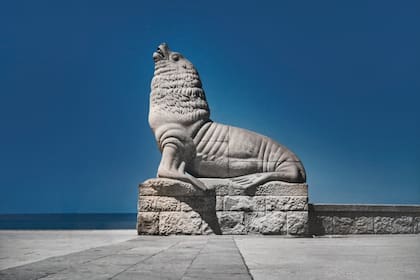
[
  {"x": 148, "y": 223},
  {"x": 266, "y": 222},
  {"x": 417, "y": 225},
  {"x": 281, "y": 189},
  {"x": 168, "y": 187},
  {"x": 180, "y": 223},
  {"x": 168, "y": 207},
  {"x": 244, "y": 203},
  {"x": 363, "y": 225},
  {"x": 231, "y": 222},
  {"x": 327, "y": 224},
  {"x": 287, "y": 203},
  {"x": 364, "y": 219},
  {"x": 394, "y": 225},
  {"x": 297, "y": 223},
  {"x": 198, "y": 203},
  {"x": 219, "y": 203}
]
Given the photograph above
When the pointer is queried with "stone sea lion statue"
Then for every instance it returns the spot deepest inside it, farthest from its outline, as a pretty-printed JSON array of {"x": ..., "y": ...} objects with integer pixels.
[{"x": 194, "y": 146}]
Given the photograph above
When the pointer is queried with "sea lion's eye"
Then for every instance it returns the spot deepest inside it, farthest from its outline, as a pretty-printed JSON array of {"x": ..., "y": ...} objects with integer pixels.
[{"x": 175, "y": 57}]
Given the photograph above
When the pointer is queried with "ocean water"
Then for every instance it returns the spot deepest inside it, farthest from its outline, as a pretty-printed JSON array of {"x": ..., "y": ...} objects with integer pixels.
[{"x": 68, "y": 221}]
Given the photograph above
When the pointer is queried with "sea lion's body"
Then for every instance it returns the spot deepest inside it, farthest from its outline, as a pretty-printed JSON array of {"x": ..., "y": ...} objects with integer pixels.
[{"x": 194, "y": 146}]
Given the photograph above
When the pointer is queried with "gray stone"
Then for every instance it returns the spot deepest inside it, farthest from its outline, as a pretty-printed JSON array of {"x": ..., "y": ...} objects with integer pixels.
[
  {"x": 219, "y": 203},
  {"x": 363, "y": 225},
  {"x": 297, "y": 222},
  {"x": 147, "y": 203},
  {"x": 372, "y": 257},
  {"x": 353, "y": 225},
  {"x": 180, "y": 223},
  {"x": 277, "y": 188},
  {"x": 266, "y": 222},
  {"x": 197, "y": 203},
  {"x": 191, "y": 143},
  {"x": 402, "y": 224},
  {"x": 231, "y": 222},
  {"x": 244, "y": 203},
  {"x": 211, "y": 213},
  {"x": 416, "y": 225},
  {"x": 165, "y": 203},
  {"x": 168, "y": 187},
  {"x": 230, "y": 189},
  {"x": 342, "y": 225},
  {"x": 286, "y": 203},
  {"x": 327, "y": 224},
  {"x": 148, "y": 223}
]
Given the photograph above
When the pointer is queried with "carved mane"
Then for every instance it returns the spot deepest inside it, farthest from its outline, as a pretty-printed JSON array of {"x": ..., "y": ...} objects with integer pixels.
[{"x": 177, "y": 93}]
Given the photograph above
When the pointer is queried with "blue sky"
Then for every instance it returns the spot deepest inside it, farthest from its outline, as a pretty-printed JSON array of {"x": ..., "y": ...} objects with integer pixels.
[{"x": 338, "y": 82}]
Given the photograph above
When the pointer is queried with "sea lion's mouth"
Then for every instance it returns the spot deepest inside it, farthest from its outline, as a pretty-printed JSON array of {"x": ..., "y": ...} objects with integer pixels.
[{"x": 159, "y": 54}]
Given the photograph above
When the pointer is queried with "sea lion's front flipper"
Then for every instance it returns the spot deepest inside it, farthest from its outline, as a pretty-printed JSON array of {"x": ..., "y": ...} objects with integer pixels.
[{"x": 173, "y": 167}]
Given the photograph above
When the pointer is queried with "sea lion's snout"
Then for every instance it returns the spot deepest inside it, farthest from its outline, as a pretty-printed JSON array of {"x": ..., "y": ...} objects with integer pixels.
[{"x": 162, "y": 52}]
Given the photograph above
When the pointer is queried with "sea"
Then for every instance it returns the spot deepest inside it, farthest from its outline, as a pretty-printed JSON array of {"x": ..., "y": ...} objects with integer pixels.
[{"x": 67, "y": 221}]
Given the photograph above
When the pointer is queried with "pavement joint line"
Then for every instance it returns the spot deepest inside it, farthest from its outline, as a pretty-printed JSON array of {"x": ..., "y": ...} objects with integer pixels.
[
  {"x": 149, "y": 257},
  {"x": 243, "y": 259},
  {"x": 195, "y": 257}
]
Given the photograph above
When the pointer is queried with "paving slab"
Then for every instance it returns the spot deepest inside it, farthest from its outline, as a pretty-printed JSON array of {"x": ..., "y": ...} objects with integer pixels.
[
  {"x": 350, "y": 257},
  {"x": 228, "y": 257},
  {"x": 18, "y": 247}
]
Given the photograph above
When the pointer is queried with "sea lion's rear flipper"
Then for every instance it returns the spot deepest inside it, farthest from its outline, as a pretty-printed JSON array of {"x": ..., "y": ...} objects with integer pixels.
[{"x": 256, "y": 179}]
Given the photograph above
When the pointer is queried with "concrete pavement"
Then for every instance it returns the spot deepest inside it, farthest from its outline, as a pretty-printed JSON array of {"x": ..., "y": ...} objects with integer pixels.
[{"x": 225, "y": 257}]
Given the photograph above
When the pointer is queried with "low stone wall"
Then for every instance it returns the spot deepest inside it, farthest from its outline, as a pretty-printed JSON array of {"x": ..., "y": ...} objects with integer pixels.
[
  {"x": 363, "y": 219},
  {"x": 173, "y": 207}
]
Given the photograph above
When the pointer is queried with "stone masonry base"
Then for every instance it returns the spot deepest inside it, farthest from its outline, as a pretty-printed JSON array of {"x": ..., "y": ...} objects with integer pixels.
[
  {"x": 340, "y": 219},
  {"x": 168, "y": 206}
]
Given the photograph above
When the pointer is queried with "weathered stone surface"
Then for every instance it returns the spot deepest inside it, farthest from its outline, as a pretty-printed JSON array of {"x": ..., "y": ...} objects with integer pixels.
[
  {"x": 166, "y": 203},
  {"x": 278, "y": 188},
  {"x": 383, "y": 224},
  {"x": 297, "y": 222},
  {"x": 353, "y": 225},
  {"x": 327, "y": 224},
  {"x": 219, "y": 203},
  {"x": 230, "y": 189},
  {"x": 364, "y": 219},
  {"x": 147, "y": 203},
  {"x": 197, "y": 203},
  {"x": 231, "y": 222},
  {"x": 266, "y": 222},
  {"x": 148, "y": 223},
  {"x": 417, "y": 225},
  {"x": 179, "y": 208},
  {"x": 342, "y": 225},
  {"x": 362, "y": 225},
  {"x": 180, "y": 223},
  {"x": 286, "y": 203},
  {"x": 394, "y": 224},
  {"x": 168, "y": 187},
  {"x": 403, "y": 225},
  {"x": 244, "y": 203}
]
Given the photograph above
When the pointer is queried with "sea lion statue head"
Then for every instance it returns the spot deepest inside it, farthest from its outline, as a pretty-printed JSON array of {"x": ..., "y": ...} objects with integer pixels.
[{"x": 176, "y": 89}]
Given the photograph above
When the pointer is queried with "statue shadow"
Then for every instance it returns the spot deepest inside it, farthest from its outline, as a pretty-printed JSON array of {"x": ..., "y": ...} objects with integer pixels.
[{"x": 205, "y": 206}]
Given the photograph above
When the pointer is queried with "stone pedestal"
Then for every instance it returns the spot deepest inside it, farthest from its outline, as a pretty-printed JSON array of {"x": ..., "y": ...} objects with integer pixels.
[{"x": 168, "y": 206}]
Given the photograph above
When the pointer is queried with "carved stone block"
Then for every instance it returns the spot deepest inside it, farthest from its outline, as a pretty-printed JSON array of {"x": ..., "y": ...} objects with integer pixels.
[
  {"x": 266, "y": 222},
  {"x": 297, "y": 222},
  {"x": 148, "y": 223},
  {"x": 170, "y": 207}
]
